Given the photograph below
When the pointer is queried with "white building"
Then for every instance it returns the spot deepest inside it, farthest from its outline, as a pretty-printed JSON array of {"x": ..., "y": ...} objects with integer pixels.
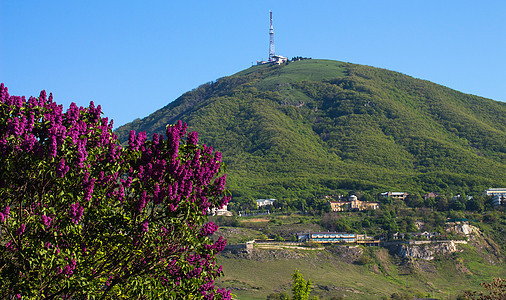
[
  {"x": 495, "y": 192},
  {"x": 395, "y": 195},
  {"x": 278, "y": 59},
  {"x": 265, "y": 202},
  {"x": 498, "y": 195},
  {"x": 498, "y": 200},
  {"x": 221, "y": 211}
]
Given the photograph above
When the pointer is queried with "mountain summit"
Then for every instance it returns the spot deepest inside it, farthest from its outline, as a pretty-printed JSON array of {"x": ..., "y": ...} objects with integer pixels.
[{"x": 313, "y": 127}]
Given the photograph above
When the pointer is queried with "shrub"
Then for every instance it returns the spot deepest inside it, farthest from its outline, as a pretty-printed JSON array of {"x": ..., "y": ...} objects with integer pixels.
[{"x": 82, "y": 216}]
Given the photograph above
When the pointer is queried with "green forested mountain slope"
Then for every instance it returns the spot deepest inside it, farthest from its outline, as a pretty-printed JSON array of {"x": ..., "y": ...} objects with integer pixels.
[{"x": 315, "y": 126}]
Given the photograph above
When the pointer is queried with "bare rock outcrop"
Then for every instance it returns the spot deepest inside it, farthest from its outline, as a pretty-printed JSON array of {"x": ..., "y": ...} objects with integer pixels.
[{"x": 426, "y": 251}]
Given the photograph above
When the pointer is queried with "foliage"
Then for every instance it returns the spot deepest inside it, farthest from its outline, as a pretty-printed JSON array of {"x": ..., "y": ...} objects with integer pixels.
[
  {"x": 493, "y": 290},
  {"x": 82, "y": 217},
  {"x": 313, "y": 127},
  {"x": 301, "y": 288}
]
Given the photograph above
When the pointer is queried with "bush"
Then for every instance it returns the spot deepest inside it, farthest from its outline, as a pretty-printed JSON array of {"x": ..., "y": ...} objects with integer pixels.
[
  {"x": 81, "y": 216},
  {"x": 364, "y": 260}
]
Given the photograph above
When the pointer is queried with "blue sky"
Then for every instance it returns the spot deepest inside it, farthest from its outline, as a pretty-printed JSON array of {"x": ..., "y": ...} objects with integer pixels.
[{"x": 134, "y": 57}]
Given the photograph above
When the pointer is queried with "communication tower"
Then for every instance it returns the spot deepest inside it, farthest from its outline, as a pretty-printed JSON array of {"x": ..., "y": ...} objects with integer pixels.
[{"x": 271, "y": 42}]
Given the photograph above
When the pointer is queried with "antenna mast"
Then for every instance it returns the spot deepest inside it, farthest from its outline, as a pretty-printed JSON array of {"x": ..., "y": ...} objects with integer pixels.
[{"x": 271, "y": 42}]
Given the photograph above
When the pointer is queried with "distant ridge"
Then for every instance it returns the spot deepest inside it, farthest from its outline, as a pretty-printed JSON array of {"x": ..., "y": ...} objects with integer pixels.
[{"x": 314, "y": 127}]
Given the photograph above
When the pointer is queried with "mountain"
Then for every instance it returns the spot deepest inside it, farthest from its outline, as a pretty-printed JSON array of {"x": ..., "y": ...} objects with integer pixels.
[{"x": 314, "y": 127}]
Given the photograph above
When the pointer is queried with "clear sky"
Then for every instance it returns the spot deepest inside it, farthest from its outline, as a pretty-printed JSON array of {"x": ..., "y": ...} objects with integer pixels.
[{"x": 134, "y": 57}]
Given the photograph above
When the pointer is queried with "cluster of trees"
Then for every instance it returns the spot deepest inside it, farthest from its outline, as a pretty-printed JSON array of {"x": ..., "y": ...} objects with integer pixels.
[
  {"x": 287, "y": 135},
  {"x": 81, "y": 216},
  {"x": 314, "y": 205},
  {"x": 397, "y": 216},
  {"x": 447, "y": 203},
  {"x": 393, "y": 215}
]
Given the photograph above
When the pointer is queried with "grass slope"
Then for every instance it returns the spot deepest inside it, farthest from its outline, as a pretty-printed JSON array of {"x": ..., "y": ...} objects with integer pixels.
[
  {"x": 334, "y": 271},
  {"x": 316, "y": 126}
]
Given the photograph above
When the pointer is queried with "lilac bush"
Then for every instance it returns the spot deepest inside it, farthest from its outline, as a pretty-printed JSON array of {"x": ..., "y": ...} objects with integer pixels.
[{"x": 83, "y": 217}]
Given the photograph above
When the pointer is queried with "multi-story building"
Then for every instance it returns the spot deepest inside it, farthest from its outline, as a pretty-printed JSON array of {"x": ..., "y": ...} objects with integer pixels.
[
  {"x": 352, "y": 204},
  {"x": 220, "y": 211},
  {"x": 495, "y": 192},
  {"x": 395, "y": 195},
  {"x": 264, "y": 202},
  {"x": 335, "y": 237},
  {"x": 498, "y": 195}
]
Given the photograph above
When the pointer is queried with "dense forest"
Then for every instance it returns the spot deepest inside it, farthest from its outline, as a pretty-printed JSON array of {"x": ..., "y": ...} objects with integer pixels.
[{"x": 311, "y": 128}]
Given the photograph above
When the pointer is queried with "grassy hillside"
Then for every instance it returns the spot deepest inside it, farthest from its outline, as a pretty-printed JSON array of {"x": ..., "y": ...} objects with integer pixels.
[
  {"x": 353, "y": 272},
  {"x": 385, "y": 275},
  {"x": 316, "y": 126}
]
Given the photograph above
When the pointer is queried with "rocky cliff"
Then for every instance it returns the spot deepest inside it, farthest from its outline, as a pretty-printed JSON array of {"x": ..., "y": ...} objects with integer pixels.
[{"x": 426, "y": 251}]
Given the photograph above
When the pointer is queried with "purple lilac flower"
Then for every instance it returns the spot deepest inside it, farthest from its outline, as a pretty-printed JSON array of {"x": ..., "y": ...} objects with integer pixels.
[
  {"x": 82, "y": 154},
  {"x": 224, "y": 201},
  {"x": 129, "y": 181},
  {"x": 156, "y": 139},
  {"x": 131, "y": 139},
  {"x": 17, "y": 101},
  {"x": 206, "y": 287},
  {"x": 32, "y": 102},
  {"x": 82, "y": 127},
  {"x": 225, "y": 294},
  {"x": 156, "y": 194},
  {"x": 121, "y": 193},
  {"x": 220, "y": 183},
  {"x": 62, "y": 169},
  {"x": 46, "y": 221},
  {"x": 219, "y": 245},
  {"x": 141, "y": 138},
  {"x": 20, "y": 230},
  {"x": 141, "y": 172},
  {"x": 72, "y": 113},
  {"x": 142, "y": 201},
  {"x": 183, "y": 128},
  {"x": 108, "y": 282},
  {"x": 5, "y": 214},
  {"x": 145, "y": 225},
  {"x": 13, "y": 126},
  {"x": 29, "y": 143},
  {"x": 217, "y": 156},
  {"x": 88, "y": 190},
  {"x": 22, "y": 125},
  {"x": 193, "y": 138},
  {"x": 4, "y": 95},
  {"x": 69, "y": 268},
  {"x": 188, "y": 188},
  {"x": 31, "y": 121},
  {"x": 76, "y": 212},
  {"x": 53, "y": 147},
  {"x": 208, "y": 229},
  {"x": 95, "y": 112},
  {"x": 204, "y": 204},
  {"x": 112, "y": 152}
]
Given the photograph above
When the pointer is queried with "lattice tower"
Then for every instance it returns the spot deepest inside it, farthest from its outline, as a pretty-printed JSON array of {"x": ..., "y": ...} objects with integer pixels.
[{"x": 271, "y": 42}]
